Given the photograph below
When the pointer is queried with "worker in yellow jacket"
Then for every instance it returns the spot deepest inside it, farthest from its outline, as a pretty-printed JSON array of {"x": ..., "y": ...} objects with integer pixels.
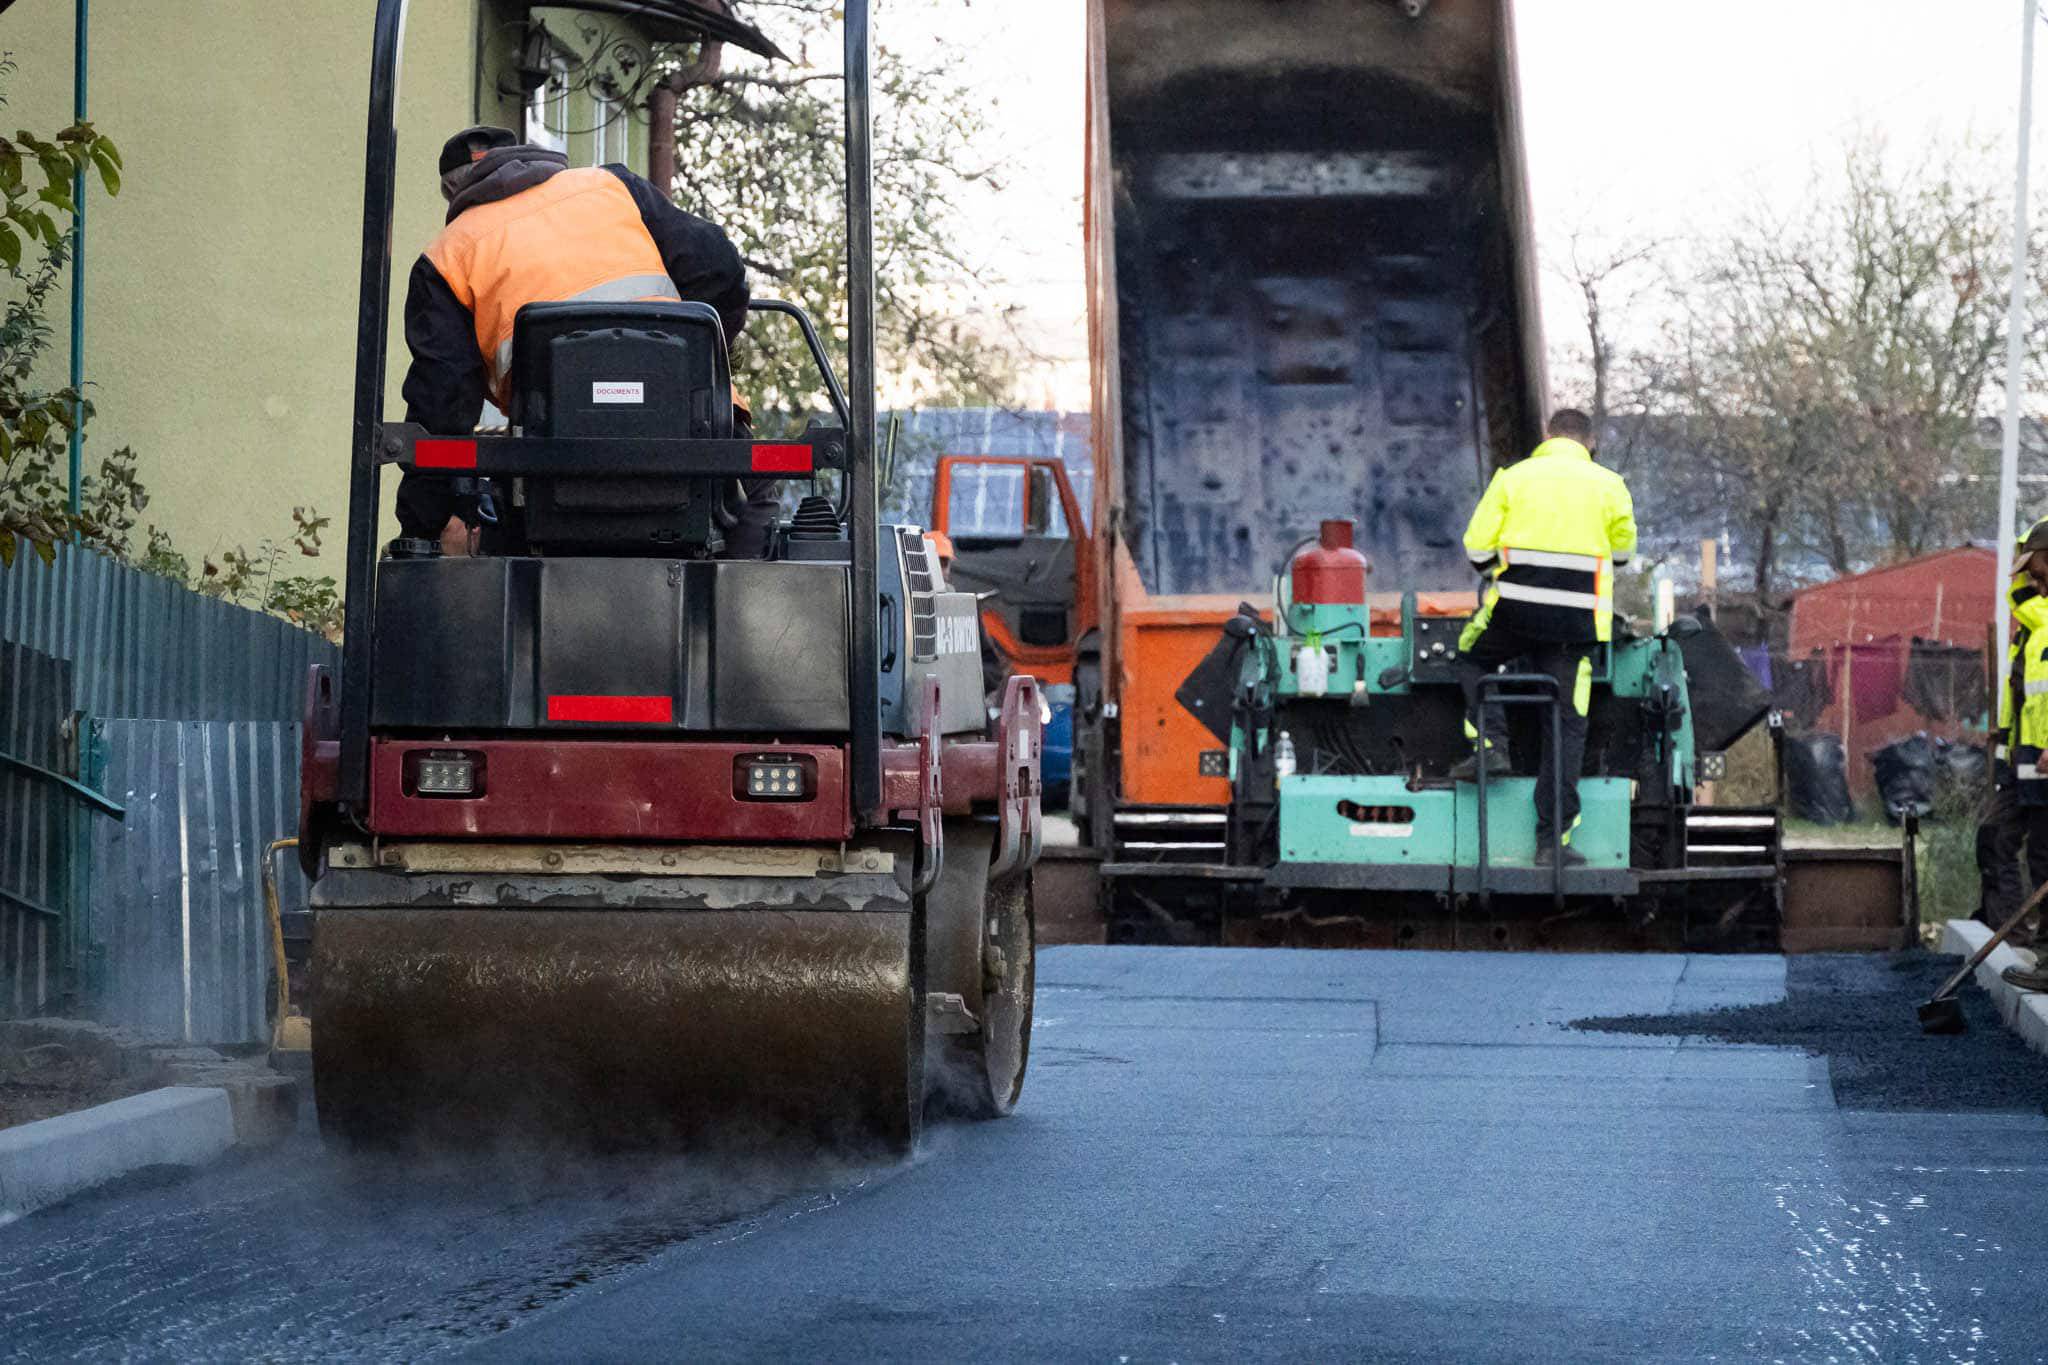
[
  {"x": 1548, "y": 533},
  {"x": 2023, "y": 721}
]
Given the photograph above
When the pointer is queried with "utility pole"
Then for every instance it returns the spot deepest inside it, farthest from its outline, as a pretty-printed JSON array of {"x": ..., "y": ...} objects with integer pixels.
[
  {"x": 2015, "y": 361},
  {"x": 81, "y": 26}
]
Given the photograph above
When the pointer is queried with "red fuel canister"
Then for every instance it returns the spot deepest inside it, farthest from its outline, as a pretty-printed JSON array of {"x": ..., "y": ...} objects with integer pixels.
[{"x": 1330, "y": 572}]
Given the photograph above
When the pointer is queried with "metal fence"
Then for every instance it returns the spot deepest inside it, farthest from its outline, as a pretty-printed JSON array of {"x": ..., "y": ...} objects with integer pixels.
[
  {"x": 177, "y": 892},
  {"x": 41, "y": 824},
  {"x": 142, "y": 646},
  {"x": 158, "y": 922}
]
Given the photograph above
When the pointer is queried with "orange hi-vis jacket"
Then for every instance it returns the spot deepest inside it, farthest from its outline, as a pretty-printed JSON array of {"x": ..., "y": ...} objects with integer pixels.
[{"x": 577, "y": 235}]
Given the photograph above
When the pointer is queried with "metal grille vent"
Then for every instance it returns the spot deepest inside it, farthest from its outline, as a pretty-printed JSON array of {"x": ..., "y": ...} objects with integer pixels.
[{"x": 922, "y": 583}]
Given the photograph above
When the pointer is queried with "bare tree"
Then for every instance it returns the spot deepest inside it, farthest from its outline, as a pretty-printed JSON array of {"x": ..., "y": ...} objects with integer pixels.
[
  {"x": 1598, "y": 271},
  {"x": 702, "y": 68},
  {"x": 1833, "y": 369}
]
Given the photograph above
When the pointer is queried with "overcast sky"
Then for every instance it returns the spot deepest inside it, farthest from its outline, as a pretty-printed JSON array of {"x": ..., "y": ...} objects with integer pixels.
[{"x": 1654, "y": 117}]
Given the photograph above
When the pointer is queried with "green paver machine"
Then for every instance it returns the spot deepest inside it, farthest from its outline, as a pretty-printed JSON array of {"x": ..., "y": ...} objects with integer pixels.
[{"x": 1345, "y": 827}]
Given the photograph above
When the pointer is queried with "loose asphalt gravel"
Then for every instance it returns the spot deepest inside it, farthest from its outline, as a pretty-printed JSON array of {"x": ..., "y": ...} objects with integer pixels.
[
  {"x": 1859, "y": 1010},
  {"x": 1220, "y": 1156}
]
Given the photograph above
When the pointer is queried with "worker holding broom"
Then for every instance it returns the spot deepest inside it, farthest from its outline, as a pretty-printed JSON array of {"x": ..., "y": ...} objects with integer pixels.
[{"x": 2019, "y": 810}]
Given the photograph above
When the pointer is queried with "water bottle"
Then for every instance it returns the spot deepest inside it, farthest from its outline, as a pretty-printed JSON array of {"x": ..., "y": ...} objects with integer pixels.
[
  {"x": 1283, "y": 757},
  {"x": 1311, "y": 671}
]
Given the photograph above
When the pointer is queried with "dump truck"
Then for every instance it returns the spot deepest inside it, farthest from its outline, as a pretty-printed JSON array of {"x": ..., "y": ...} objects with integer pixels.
[
  {"x": 1312, "y": 287},
  {"x": 1312, "y": 293},
  {"x": 1313, "y": 299},
  {"x": 616, "y": 838}
]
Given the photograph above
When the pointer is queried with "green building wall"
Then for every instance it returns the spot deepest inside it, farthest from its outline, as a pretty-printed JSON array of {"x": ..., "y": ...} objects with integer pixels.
[{"x": 221, "y": 284}]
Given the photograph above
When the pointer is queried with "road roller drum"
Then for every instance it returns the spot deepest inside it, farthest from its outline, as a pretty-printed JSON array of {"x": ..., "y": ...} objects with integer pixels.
[
  {"x": 616, "y": 1026},
  {"x": 456, "y": 1002}
]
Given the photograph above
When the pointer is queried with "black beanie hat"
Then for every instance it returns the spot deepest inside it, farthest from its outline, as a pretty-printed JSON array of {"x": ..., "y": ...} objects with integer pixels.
[{"x": 460, "y": 150}]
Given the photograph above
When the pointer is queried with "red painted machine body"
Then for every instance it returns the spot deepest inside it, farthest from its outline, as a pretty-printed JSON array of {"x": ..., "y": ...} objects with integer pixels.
[
  {"x": 1330, "y": 572},
  {"x": 610, "y": 790}
]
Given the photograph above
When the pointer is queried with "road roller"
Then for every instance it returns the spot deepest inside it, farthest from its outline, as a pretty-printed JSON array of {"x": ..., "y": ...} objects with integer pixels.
[{"x": 618, "y": 840}]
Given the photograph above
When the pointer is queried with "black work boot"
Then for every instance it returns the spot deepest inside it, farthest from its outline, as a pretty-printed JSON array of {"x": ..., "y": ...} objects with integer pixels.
[
  {"x": 1497, "y": 765},
  {"x": 1548, "y": 852},
  {"x": 2033, "y": 978}
]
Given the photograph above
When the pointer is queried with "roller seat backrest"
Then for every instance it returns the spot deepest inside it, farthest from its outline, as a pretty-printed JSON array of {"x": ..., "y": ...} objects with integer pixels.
[
  {"x": 621, "y": 369},
  {"x": 611, "y": 371}
]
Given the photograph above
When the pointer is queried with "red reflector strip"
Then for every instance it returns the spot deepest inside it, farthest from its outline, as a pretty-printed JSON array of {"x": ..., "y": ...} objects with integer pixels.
[
  {"x": 444, "y": 454},
  {"x": 781, "y": 459},
  {"x": 618, "y": 710}
]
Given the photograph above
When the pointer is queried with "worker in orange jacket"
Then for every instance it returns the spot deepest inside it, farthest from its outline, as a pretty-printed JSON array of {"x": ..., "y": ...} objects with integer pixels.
[{"x": 525, "y": 228}]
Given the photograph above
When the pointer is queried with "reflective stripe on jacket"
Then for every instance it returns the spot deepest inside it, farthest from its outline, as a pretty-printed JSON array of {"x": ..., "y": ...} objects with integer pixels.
[
  {"x": 576, "y": 235},
  {"x": 1551, "y": 531},
  {"x": 2023, "y": 701}
]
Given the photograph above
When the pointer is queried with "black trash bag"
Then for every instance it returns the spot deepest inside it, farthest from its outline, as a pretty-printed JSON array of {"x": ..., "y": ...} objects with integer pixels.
[
  {"x": 1817, "y": 779},
  {"x": 1965, "y": 769},
  {"x": 1907, "y": 770}
]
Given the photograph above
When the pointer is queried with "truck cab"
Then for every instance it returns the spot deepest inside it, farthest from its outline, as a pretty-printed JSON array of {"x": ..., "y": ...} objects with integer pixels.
[{"x": 1020, "y": 538}]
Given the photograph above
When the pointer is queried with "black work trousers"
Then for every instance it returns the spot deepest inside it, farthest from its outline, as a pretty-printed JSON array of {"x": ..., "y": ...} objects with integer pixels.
[
  {"x": 2003, "y": 828},
  {"x": 1498, "y": 645}
]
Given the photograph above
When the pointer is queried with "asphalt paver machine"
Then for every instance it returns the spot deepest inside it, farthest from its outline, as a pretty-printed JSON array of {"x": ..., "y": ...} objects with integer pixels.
[
  {"x": 613, "y": 838},
  {"x": 1346, "y": 827}
]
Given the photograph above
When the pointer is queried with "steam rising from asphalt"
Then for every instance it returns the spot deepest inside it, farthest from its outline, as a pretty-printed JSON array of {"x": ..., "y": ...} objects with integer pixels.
[{"x": 416, "y": 1254}]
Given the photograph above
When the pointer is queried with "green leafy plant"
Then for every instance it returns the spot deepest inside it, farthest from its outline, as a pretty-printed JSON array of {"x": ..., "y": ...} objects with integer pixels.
[
  {"x": 257, "y": 579},
  {"x": 36, "y": 423}
]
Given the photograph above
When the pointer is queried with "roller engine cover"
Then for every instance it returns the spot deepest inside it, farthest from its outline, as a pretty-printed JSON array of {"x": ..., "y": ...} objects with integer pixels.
[{"x": 739, "y": 647}]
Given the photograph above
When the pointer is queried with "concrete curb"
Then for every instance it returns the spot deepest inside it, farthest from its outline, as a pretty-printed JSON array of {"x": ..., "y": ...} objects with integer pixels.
[
  {"x": 2024, "y": 1012},
  {"x": 264, "y": 1101},
  {"x": 53, "y": 1159},
  {"x": 205, "y": 1104}
]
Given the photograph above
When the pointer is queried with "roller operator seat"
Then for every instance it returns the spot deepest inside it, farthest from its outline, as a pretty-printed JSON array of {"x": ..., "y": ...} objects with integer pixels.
[{"x": 612, "y": 370}]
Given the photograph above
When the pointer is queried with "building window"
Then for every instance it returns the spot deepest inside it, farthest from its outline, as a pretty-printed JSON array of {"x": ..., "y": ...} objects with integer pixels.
[
  {"x": 608, "y": 140},
  {"x": 547, "y": 109}
]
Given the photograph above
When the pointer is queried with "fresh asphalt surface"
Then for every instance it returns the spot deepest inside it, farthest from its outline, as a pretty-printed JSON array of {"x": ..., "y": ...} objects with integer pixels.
[{"x": 1220, "y": 1155}]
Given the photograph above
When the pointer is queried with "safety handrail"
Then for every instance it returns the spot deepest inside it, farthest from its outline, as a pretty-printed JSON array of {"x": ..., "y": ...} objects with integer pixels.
[
  {"x": 817, "y": 348},
  {"x": 410, "y": 446},
  {"x": 99, "y": 801}
]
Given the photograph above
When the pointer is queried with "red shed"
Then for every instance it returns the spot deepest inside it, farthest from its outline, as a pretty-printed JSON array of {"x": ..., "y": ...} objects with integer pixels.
[
  {"x": 1941, "y": 596},
  {"x": 1858, "y": 632}
]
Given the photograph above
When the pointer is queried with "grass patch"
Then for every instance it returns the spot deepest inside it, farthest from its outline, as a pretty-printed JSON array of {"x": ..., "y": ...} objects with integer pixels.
[
  {"x": 1948, "y": 859},
  {"x": 1860, "y": 834}
]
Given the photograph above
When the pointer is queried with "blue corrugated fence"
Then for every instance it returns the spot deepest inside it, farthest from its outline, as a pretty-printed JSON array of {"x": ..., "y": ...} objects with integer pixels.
[{"x": 143, "y": 647}]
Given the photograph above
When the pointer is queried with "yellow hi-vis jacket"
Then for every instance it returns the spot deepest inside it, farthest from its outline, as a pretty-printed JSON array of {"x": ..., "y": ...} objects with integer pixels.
[
  {"x": 1551, "y": 531},
  {"x": 2023, "y": 701}
]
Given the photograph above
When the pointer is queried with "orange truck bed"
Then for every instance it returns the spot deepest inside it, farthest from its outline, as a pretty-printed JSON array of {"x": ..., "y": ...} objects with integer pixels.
[{"x": 1312, "y": 293}]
